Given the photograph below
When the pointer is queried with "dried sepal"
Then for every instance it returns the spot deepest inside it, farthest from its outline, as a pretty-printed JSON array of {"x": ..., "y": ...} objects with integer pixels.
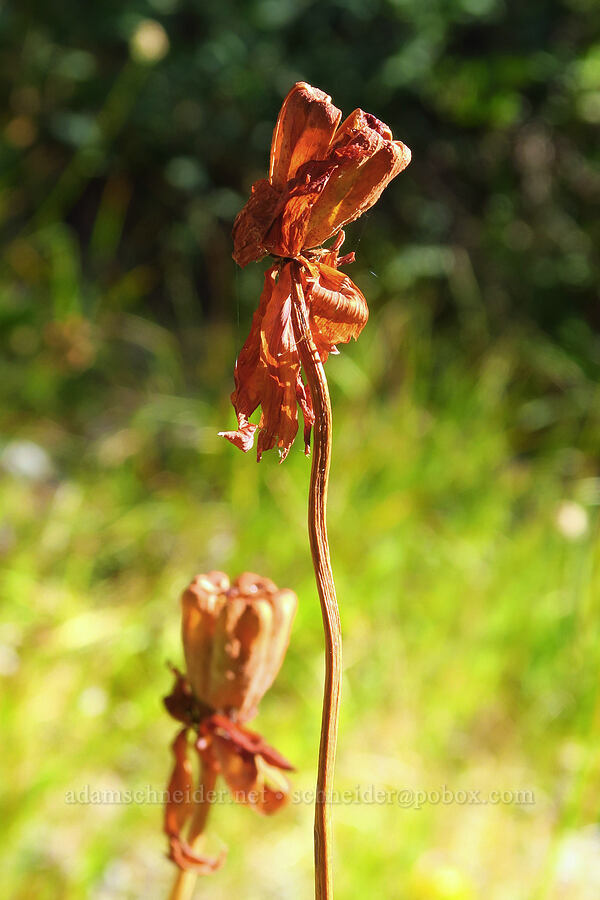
[
  {"x": 187, "y": 859},
  {"x": 181, "y": 703},
  {"x": 179, "y": 790},
  {"x": 243, "y": 739},
  {"x": 251, "y": 781},
  {"x": 251, "y": 768},
  {"x": 179, "y": 808}
]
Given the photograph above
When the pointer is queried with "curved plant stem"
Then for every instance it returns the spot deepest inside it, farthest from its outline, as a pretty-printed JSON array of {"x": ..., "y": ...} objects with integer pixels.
[
  {"x": 319, "y": 544},
  {"x": 185, "y": 882}
]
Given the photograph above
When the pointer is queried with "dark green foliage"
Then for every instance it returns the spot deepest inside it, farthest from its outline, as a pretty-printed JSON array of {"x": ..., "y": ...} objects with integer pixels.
[{"x": 499, "y": 103}]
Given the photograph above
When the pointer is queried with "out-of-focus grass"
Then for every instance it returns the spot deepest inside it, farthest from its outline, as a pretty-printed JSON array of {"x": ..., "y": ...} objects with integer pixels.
[{"x": 463, "y": 520}]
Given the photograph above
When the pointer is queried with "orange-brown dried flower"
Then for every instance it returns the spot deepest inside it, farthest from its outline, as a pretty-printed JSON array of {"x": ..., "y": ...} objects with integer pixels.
[
  {"x": 322, "y": 176},
  {"x": 235, "y": 636}
]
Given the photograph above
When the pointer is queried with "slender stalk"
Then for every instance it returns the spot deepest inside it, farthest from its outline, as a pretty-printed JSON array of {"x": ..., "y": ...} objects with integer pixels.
[
  {"x": 319, "y": 545},
  {"x": 185, "y": 882}
]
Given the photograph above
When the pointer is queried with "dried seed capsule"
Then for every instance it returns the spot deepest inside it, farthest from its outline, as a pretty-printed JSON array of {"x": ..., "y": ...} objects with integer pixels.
[{"x": 235, "y": 637}]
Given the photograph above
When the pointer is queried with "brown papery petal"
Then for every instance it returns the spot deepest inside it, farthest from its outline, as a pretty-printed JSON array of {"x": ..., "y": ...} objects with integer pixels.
[
  {"x": 287, "y": 235},
  {"x": 249, "y": 372},
  {"x": 274, "y": 788},
  {"x": 253, "y": 221},
  {"x": 376, "y": 173},
  {"x": 267, "y": 372},
  {"x": 338, "y": 310},
  {"x": 281, "y": 363},
  {"x": 237, "y": 768},
  {"x": 366, "y": 162},
  {"x": 305, "y": 126},
  {"x": 250, "y": 779},
  {"x": 243, "y": 438},
  {"x": 246, "y": 741}
]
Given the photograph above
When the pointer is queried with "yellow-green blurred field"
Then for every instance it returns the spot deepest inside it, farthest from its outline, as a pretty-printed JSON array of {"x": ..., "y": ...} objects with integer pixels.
[{"x": 469, "y": 583}]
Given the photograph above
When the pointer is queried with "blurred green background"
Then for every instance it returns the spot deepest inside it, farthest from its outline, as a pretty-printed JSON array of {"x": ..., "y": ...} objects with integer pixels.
[{"x": 466, "y": 478}]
